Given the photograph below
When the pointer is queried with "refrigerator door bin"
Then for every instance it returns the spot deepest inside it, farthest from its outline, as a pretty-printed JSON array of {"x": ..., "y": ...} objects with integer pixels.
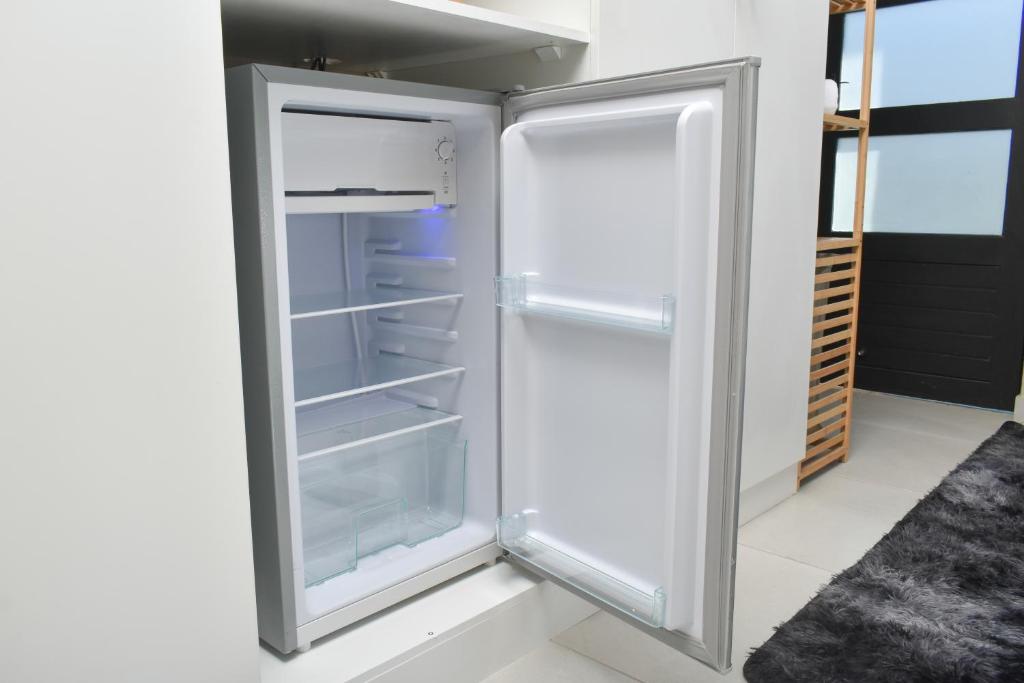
[
  {"x": 644, "y": 603},
  {"x": 403, "y": 490},
  {"x": 526, "y": 294},
  {"x": 340, "y": 425},
  {"x": 361, "y": 376}
]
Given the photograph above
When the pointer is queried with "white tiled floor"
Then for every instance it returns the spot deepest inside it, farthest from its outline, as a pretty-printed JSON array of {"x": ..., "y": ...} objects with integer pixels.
[{"x": 901, "y": 448}]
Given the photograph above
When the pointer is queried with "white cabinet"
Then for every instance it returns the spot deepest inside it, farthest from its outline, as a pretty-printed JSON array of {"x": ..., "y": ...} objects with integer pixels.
[{"x": 386, "y": 35}]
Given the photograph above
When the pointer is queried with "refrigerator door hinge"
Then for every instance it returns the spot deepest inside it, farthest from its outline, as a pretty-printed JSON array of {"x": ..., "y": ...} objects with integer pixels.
[{"x": 518, "y": 87}]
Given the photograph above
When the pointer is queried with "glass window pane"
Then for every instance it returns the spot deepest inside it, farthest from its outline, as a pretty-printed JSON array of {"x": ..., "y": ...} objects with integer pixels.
[
  {"x": 935, "y": 51},
  {"x": 945, "y": 183}
]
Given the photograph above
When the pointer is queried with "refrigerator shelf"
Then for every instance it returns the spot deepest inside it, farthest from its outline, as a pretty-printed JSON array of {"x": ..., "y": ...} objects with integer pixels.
[
  {"x": 354, "y": 422},
  {"x": 350, "y": 301},
  {"x": 646, "y": 605},
  {"x": 525, "y": 294},
  {"x": 350, "y": 378},
  {"x": 400, "y": 491}
]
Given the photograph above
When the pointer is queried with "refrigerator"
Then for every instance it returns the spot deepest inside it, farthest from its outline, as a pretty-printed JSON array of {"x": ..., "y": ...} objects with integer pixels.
[{"x": 479, "y": 325}]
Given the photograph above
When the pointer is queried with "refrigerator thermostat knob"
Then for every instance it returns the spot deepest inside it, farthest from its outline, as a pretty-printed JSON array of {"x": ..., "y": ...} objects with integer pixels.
[{"x": 445, "y": 150}]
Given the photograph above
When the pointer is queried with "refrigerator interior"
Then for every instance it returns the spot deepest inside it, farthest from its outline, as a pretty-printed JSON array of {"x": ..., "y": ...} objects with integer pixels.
[
  {"x": 608, "y": 213},
  {"x": 392, "y": 349}
]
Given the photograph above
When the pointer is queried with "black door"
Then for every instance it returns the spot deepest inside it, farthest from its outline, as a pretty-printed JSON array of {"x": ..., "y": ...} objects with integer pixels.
[{"x": 942, "y": 289}]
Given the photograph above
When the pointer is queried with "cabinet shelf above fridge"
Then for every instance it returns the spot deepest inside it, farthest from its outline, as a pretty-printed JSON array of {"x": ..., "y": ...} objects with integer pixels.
[{"x": 376, "y": 35}]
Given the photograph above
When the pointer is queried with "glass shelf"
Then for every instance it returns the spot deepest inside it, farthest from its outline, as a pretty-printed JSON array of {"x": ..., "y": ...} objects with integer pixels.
[
  {"x": 647, "y": 606},
  {"x": 328, "y": 382},
  {"x": 525, "y": 294},
  {"x": 400, "y": 491},
  {"x": 332, "y": 427},
  {"x": 350, "y": 301}
]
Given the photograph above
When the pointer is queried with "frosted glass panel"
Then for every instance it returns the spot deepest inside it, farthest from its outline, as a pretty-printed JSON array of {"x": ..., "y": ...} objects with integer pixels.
[
  {"x": 944, "y": 183},
  {"x": 937, "y": 51}
]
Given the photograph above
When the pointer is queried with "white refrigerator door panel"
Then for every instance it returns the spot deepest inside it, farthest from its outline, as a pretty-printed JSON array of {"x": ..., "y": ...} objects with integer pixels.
[{"x": 625, "y": 211}]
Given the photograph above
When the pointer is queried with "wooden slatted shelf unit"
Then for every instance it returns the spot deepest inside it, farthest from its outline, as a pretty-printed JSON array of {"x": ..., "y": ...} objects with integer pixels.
[
  {"x": 837, "y": 293},
  {"x": 835, "y": 122},
  {"x": 840, "y": 6}
]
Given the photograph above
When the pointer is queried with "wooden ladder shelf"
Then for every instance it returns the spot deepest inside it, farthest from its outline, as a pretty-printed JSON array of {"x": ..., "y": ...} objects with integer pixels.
[{"x": 837, "y": 293}]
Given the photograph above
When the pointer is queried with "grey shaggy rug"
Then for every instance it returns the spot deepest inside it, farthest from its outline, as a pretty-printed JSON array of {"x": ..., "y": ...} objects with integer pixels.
[{"x": 939, "y": 599}]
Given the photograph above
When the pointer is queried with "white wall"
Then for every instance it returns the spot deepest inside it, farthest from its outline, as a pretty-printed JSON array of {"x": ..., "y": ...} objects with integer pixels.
[
  {"x": 504, "y": 72},
  {"x": 125, "y": 534},
  {"x": 790, "y": 38},
  {"x": 572, "y": 13},
  {"x": 626, "y": 37},
  {"x": 633, "y": 37}
]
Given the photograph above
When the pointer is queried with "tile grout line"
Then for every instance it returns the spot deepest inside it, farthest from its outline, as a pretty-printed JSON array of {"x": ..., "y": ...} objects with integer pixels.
[
  {"x": 897, "y": 398},
  {"x": 596, "y": 661},
  {"x": 828, "y": 571},
  {"x": 865, "y": 480},
  {"x": 915, "y": 432},
  {"x": 840, "y": 475}
]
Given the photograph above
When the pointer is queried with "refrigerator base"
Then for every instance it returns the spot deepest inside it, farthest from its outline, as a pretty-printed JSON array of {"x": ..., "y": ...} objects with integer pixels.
[{"x": 350, "y": 614}]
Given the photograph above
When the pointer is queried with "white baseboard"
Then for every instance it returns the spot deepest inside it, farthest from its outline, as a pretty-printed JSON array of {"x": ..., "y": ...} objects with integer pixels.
[
  {"x": 482, "y": 648},
  {"x": 765, "y": 495}
]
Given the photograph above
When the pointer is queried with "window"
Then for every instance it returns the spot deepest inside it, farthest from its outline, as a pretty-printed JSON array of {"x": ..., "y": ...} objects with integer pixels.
[
  {"x": 937, "y": 183},
  {"x": 934, "y": 51}
]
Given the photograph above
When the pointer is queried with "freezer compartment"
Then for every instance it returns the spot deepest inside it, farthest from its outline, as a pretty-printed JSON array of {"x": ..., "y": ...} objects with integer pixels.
[
  {"x": 402, "y": 490},
  {"x": 376, "y": 159},
  {"x": 516, "y": 536},
  {"x": 526, "y": 294}
]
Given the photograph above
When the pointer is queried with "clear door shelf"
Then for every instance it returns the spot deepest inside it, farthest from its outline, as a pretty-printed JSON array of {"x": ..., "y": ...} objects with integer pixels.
[
  {"x": 526, "y": 294},
  {"x": 647, "y": 606},
  {"x": 350, "y": 378},
  {"x": 359, "y": 501},
  {"x": 349, "y": 423},
  {"x": 350, "y": 301}
]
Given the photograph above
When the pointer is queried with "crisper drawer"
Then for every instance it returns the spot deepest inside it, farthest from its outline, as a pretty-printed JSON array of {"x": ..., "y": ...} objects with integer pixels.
[{"x": 401, "y": 490}]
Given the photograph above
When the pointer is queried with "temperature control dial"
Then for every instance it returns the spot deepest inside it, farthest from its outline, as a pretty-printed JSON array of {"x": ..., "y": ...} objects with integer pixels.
[{"x": 445, "y": 149}]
